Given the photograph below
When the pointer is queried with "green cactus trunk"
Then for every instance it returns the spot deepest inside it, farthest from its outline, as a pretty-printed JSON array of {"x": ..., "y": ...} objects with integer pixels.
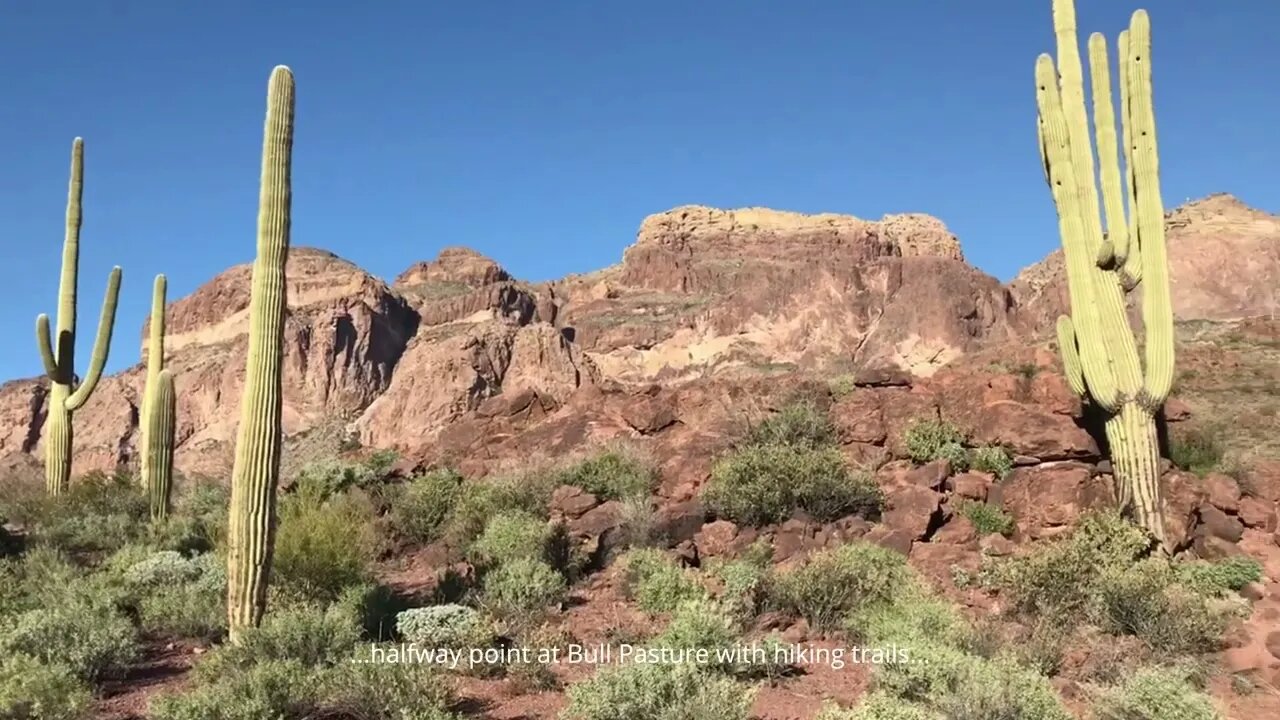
[
  {"x": 158, "y": 413},
  {"x": 66, "y": 394},
  {"x": 1100, "y": 351},
  {"x": 255, "y": 475},
  {"x": 160, "y": 423}
]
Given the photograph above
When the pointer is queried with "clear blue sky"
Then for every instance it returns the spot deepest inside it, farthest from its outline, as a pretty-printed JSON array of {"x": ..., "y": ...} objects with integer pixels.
[{"x": 541, "y": 133}]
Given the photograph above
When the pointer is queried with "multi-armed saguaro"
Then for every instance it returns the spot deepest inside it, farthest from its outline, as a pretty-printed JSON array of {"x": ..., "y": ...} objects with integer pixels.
[
  {"x": 66, "y": 393},
  {"x": 251, "y": 533},
  {"x": 1099, "y": 349},
  {"x": 158, "y": 413}
]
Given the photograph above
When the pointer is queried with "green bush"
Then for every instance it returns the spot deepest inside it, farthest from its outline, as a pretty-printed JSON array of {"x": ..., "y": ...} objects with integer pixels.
[
  {"x": 986, "y": 518},
  {"x": 656, "y": 583},
  {"x": 744, "y": 582},
  {"x": 1212, "y": 578},
  {"x": 522, "y": 589},
  {"x": 1060, "y": 578},
  {"x": 613, "y": 474},
  {"x": 699, "y": 624},
  {"x": 87, "y": 638},
  {"x": 198, "y": 522},
  {"x": 927, "y": 440},
  {"x": 679, "y": 691},
  {"x": 517, "y": 535},
  {"x": 323, "y": 479},
  {"x": 31, "y": 690},
  {"x": 910, "y": 616},
  {"x": 420, "y": 508},
  {"x": 166, "y": 567},
  {"x": 324, "y": 546},
  {"x": 309, "y": 636},
  {"x": 482, "y": 500},
  {"x": 1197, "y": 450},
  {"x": 444, "y": 626},
  {"x": 833, "y": 583},
  {"x": 1154, "y": 693},
  {"x": 1000, "y": 688},
  {"x": 383, "y": 691},
  {"x": 762, "y": 484},
  {"x": 191, "y": 604},
  {"x": 878, "y": 706},
  {"x": 801, "y": 424},
  {"x": 991, "y": 459},
  {"x": 637, "y": 525},
  {"x": 1146, "y": 602},
  {"x": 96, "y": 516},
  {"x": 276, "y": 689}
]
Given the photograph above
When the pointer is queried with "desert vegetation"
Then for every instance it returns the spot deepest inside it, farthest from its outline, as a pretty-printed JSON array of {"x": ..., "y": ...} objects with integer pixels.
[{"x": 980, "y": 573}]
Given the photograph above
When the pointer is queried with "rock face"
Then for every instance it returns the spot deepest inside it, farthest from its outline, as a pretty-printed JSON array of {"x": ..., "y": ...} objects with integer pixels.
[
  {"x": 705, "y": 288},
  {"x": 457, "y": 354},
  {"x": 1224, "y": 264}
]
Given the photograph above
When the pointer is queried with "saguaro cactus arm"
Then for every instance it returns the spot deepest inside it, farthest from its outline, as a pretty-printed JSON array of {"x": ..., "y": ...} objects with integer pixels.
[
  {"x": 1070, "y": 355},
  {"x": 101, "y": 344}
]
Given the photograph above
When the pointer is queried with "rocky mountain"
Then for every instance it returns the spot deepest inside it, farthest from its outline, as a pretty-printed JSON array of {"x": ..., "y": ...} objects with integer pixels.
[
  {"x": 456, "y": 350},
  {"x": 1224, "y": 260}
]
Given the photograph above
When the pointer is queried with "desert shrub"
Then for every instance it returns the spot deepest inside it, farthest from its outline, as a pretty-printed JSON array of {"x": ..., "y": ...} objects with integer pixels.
[
  {"x": 444, "y": 626},
  {"x": 99, "y": 514},
  {"x": 309, "y": 636},
  {"x": 762, "y": 484},
  {"x": 89, "y": 639},
  {"x": 521, "y": 589},
  {"x": 35, "y": 579},
  {"x": 931, "y": 439},
  {"x": 1145, "y": 601},
  {"x": 421, "y": 506},
  {"x": 991, "y": 459},
  {"x": 656, "y": 583},
  {"x": 1000, "y": 688},
  {"x": 166, "y": 567},
  {"x": 324, "y": 546},
  {"x": 1219, "y": 577},
  {"x": 987, "y": 519},
  {"x": 743, "y": 586},
  {"x": 191, "y": 602},
  {"x": 1060, "y": 578},
  {"x": 373, "y": 607},
  {"x": 1197, "y": 449},
  {"x": 615, "y": 473},
  {"x": 832, "y": 583},
  {"x": 323, "y": 479},
  {"x": 383, "y": 691},
  {"x": 673, "y": 691},
  {"x": 699, "y": 624},
  {"x": 32, "y": 690},
  {"x": 1154, "y": 693},
  {"x": 801, "y": 423},
  {"x": 910, "y": 616},
  {"x": 877, "y": 706},
  {"x": 269, "y": 689},
  {"x": 493, "y": 496},
  {"x": 515, "y": 535},
  {"x": 198, "y": 522},
  {"x": 637, "y": 524}
]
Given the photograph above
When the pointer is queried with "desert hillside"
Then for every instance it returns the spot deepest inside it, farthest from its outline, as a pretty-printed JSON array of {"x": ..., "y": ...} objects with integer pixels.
[{"x": 701, "y": 293}]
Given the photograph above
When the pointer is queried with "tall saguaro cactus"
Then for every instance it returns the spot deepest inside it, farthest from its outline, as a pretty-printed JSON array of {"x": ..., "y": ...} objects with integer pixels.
[
  {"x": 67, "y": 393},
  {"x": 158, "y": 413},
  {"x": 255, "y": 474},
  {"x": 1099, "y": 349}
]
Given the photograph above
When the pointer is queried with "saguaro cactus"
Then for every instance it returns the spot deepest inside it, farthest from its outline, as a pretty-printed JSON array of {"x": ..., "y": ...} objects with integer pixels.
[
  {"x": 255, "y": 474},
  {"x": 1099, "y": 349},
  {"x": 67, "y": 393},
  {"x": 158, "y": 413}
]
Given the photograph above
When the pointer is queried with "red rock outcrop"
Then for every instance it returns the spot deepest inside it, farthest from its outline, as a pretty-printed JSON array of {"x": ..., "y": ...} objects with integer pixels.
[{"x": 1224, "y": 264}]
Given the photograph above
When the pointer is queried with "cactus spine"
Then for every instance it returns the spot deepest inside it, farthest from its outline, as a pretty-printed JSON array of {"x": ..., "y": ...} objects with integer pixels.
[
  {"x": 255, "y": 474},
  {"x": 1099, "y": 349},
  {"x": 158, "y": 413},
  {"x": 67, "y": 393}
]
